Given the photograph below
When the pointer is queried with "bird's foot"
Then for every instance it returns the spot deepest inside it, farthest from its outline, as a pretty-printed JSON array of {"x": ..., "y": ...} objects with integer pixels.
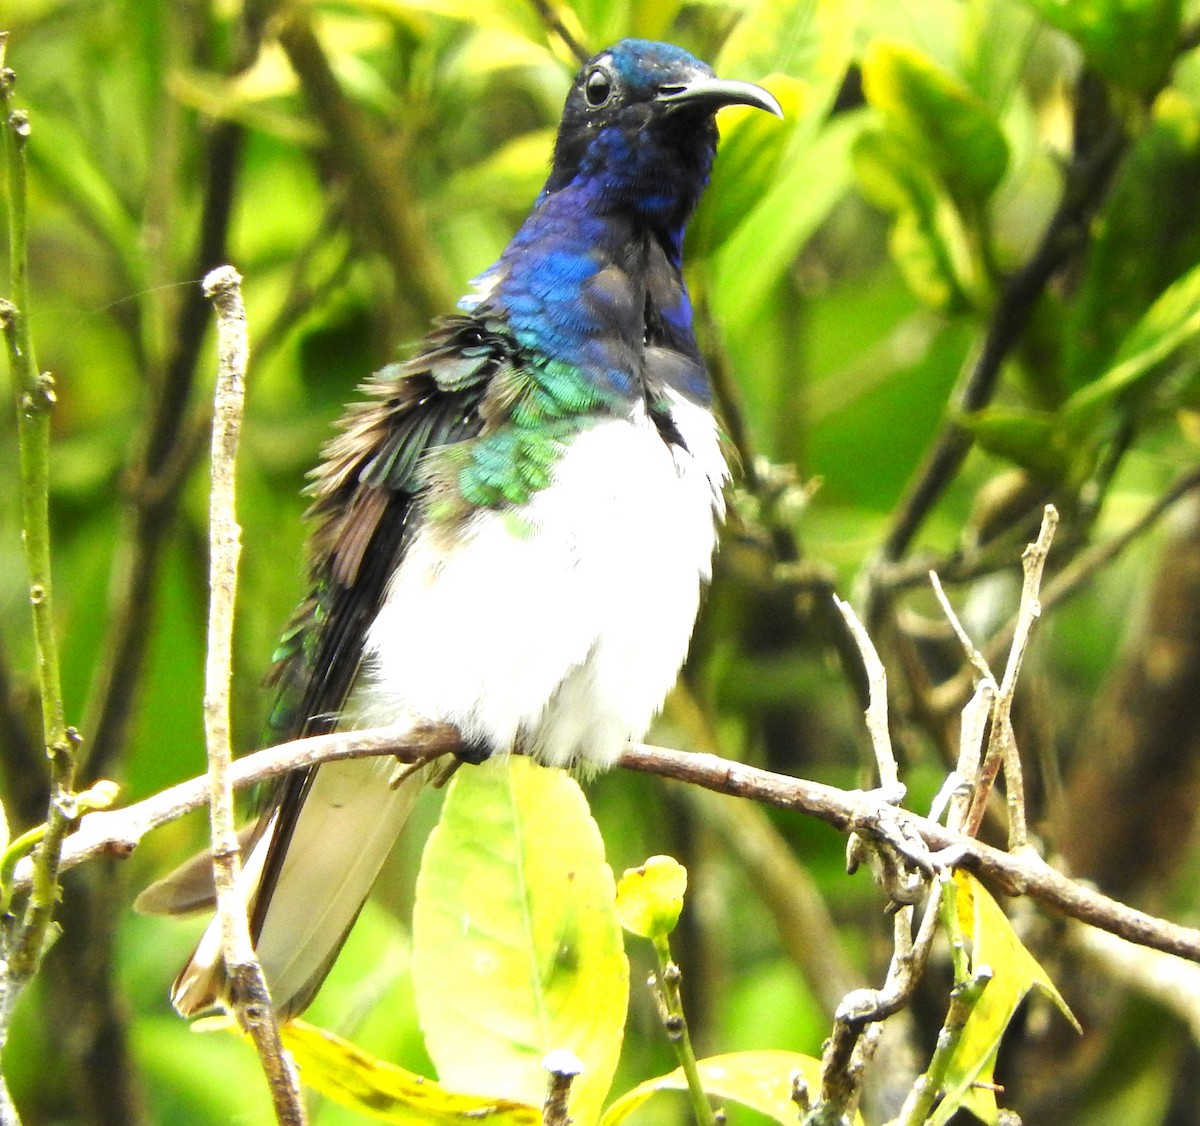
[{"x": 472, "y": 753}]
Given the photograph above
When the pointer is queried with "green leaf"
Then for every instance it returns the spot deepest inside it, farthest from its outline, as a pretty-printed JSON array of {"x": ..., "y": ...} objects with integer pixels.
[
  {"x": 753, "y": 144},
  {"x": 761, "y": 1081},
  {"x": 356, "y": 1079},
  {"x": 1015, "y": 971},
  {"x": 1131, "y": 42},
  {"x": 931, "y": 254},
  {"x": 516, "y": 946},
  {"x": 812, "y": 42},
  {"x": 1149, "y": 353},
  {"x": 927, "y": 239},
  {"x": 931, "y": 109},
  {"x": 650, "y": 897},
  {"x": 1027, "y": 438},
  {"x": 1152, "y": 205},
  {"x": 755, "y": 256}
]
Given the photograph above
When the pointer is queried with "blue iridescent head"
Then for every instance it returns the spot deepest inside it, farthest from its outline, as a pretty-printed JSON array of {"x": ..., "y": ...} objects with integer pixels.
[{"x": 638, "y": 131}]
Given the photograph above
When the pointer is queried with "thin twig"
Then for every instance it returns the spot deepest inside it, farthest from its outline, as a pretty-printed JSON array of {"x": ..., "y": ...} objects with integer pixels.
[
  {"x": 1002, "y": 747},
  {"x": 963, "y": 998},
  {"x": 562, "y": 1066},
  {"x": 118, "y": 832},
  {"x": 858, "y": 1027},
  {"x": 248, "y": 986},
  {"x": 382, "y": 195},
  {"x": 974, "y": 657},
  {"x": 665, "y": 985},
  {"x": 859, "y": 811},
  {"x": 877, "y": 709},
  {"x": 858, "y": 1022},
  {"x": 955, "y": 794},
  {"x": 1069, "y": 581},
  {"x": 557, "y": 27}
]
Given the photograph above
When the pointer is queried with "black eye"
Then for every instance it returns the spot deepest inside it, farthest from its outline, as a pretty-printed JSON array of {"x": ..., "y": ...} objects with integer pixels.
[{"x": 597, "y": 88}]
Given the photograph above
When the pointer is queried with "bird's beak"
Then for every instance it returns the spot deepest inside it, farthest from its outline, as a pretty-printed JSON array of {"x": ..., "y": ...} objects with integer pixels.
[{"x": 710, "y": 94}]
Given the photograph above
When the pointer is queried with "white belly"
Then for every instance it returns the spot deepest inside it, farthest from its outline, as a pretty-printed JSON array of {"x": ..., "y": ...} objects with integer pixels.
[{"x": 558, "y": 630}]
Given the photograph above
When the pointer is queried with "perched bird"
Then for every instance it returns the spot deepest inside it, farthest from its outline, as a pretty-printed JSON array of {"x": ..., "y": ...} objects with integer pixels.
[{"x": 513, "y": 528}]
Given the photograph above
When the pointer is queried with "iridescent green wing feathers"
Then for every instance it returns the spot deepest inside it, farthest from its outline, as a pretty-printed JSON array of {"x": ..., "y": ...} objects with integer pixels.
[{"x": 474, "y": 421}]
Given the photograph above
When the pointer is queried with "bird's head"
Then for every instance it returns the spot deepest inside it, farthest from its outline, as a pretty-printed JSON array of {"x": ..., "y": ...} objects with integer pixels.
[{"x": 638, "y": 129}]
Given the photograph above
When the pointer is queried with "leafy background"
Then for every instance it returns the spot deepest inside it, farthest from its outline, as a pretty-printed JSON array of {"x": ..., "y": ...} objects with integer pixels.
[{"x": 359, "y": 162}]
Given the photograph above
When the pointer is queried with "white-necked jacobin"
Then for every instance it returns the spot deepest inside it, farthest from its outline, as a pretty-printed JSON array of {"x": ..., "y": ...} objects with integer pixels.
[{"x": 513, "y": 528}]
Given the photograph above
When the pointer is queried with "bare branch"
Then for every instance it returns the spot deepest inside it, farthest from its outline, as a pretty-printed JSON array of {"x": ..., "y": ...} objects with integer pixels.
[
  {"x": 562, "y": 1066},
  {"x": 248, "y": 985},
  {"x": 1069, "y": 581},
  {"x": 877, "y": 708},
  {"x": 117, "y": 832},
  {"x": 1002, "y": 746},
  {"x": 863, "y": 812},
  {"x": 858, "y": 1023}
]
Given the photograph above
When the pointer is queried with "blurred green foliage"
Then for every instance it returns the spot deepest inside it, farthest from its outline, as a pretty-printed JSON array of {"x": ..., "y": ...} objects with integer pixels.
[{"x": 359, "y": 161}]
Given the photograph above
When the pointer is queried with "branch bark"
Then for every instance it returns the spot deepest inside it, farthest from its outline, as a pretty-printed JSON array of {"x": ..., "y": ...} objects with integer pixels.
[
  {"x": 248, "y": 985},
  {"x": 118, "y": 832}
]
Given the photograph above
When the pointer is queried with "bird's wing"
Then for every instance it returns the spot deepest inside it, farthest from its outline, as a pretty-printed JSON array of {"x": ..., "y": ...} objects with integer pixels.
[
  {"x": 364, "y": 516},
  {"x": 335, "y": 824}
]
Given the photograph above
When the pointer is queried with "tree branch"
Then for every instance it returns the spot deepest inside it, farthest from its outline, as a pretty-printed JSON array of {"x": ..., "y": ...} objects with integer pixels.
[
  {"x": 249, "y": 995},
  {"x": 1073, "y": 577},
  {"x": 382, "y": 195},
  {"x": 863, "y": 812},
  {"x": 118, "y": 832}
]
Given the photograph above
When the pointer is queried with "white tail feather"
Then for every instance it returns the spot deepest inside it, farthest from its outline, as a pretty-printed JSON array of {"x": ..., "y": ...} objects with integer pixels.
[{"x": 350, "y": 819}]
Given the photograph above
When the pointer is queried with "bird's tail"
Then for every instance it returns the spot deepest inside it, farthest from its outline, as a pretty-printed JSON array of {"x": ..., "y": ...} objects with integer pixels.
[{"x": 322, "y": 858}]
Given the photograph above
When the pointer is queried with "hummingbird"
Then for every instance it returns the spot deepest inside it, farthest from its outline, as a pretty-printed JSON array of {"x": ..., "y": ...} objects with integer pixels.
[{"x": 512, "y": 529}]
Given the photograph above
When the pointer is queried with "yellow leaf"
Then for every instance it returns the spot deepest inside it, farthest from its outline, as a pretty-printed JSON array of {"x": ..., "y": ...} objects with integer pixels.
[
  {"x": 761, "y": 1081},
  {"x": 356, "y": 1079},
  {"x": 995, "y": 945},
  {"x": 516, "y": 946}
]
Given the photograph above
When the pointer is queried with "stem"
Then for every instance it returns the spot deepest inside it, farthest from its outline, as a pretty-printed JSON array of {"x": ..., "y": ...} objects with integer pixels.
[
  {"x": 1002, "y": 748},
  {"x": 562, "y": 1066},
  {"x": 674, "y": 1021},
  {"x": 963, "y": 998},
  {"x": 34, "y": 393},
  {"x": 249, "y": 996}
]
